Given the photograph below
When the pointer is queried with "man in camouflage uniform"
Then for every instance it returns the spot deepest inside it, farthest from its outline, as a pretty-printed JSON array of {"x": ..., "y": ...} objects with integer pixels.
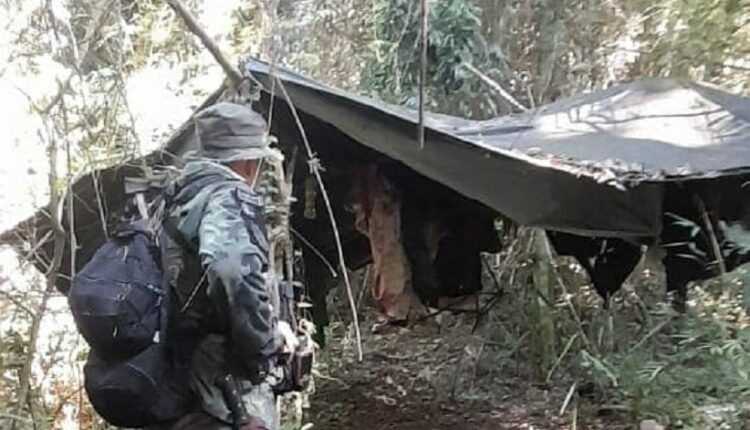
[{"x": 221, "y": 318}]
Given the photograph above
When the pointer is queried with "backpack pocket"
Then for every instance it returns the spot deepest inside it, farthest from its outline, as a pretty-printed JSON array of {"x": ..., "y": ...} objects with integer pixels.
[
  {"x": 138, "y": 391},
  {"x": 116, "y": 298}
]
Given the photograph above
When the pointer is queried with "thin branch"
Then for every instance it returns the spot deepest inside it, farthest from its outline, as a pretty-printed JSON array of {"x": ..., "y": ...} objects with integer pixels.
[
  {"x": 423, "y": 16},
  {"x": 71, "y": 194},
  {"x": 650, "y": 334},
  {"x": 234, "y": 76},
  {"x": 15, "y": 417},
  {"x": 18, "y": 303},
  {"x": 558, "y": 278},
  {"x": 24, "y": 377},
  {"x": 530, "y": 96},
  {"x": 689, "y": 58},
  {"x": 733, "y": 66},
  {"x": 714, "y": 241},
  {"x": 62, "y": 402},
  {"x": 55, "y": 212},
  {"x": 96, "y": 25},
  {"x": 495, "y": 86},
  {"x": 55, "y": 209},
  {"x": 315, "y": 251},
  {"x": 315, "y": 170},
  {"x": 100, "y": 202},
  {"x": 364, "y": 286}
]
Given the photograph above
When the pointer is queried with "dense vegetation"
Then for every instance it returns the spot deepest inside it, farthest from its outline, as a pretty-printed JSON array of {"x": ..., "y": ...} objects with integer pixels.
[{"x": 78, "y": 68}]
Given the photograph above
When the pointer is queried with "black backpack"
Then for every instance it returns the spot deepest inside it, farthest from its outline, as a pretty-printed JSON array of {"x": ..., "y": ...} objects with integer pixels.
[{"x": 120, "y": 302}]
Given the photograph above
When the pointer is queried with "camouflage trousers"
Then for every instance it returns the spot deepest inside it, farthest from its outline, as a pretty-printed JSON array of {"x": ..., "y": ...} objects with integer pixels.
[
  {"x": 260, "y": 404},
  {"x": 208, "y": 364}
]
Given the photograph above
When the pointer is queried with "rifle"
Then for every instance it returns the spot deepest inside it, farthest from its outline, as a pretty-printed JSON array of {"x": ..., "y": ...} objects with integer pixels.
[
  {"x": 298, "y": 369},
  {"x": 288, "y": 289}
]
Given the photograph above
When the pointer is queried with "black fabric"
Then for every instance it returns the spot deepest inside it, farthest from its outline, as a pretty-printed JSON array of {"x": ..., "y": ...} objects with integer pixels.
[
  {"x": 647, "y": 129},
  {"x": 546, "y": 192},
  {"x": 414, "y": 220},
  {"x": 607, "y": 261},
  {"x": 229, "y": 131},
  {"x": 688, "y": 242},
  {"x": 120, "y": 306},
  {"x": 686, "y": 239},
  {"x": 139, "y": 391},
  {"x": 116, "y": 298}
]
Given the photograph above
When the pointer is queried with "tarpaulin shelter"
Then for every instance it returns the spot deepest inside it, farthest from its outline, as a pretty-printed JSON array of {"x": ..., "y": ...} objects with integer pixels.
[
  {"x": 594, "y": 164},
  {"x": 563, "y": 166}
]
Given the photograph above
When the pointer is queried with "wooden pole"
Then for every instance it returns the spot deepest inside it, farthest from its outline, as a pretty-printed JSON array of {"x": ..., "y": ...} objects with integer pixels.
[{"x": 314, "y": 164}]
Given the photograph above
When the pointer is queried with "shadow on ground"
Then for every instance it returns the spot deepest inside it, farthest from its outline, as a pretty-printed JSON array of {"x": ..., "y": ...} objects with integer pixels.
[{"x": 435, "y": 377}]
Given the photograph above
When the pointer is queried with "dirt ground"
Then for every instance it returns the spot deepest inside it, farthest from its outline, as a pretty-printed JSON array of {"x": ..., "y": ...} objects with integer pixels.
[{"x": 436, "y": 377}]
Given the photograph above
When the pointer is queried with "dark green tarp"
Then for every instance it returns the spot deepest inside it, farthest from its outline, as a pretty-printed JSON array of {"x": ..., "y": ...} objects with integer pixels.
[{"x": 591, "y": 164}]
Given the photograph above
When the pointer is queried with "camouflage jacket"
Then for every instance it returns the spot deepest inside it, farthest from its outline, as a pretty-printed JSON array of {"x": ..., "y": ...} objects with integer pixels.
[{"x": 219, "y": 286}]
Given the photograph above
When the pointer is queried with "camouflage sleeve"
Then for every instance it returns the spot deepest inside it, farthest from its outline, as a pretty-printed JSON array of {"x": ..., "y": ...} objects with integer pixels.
[{"x": 234, "y": 253}]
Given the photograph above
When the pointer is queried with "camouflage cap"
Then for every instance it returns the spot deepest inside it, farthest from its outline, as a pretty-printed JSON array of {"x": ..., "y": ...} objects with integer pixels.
[{"x": 231, "y": 132}]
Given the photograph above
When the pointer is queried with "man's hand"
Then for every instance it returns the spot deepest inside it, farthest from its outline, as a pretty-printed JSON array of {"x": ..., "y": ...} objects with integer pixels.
[
  {"x": 288, "y": 339},
  {"x": 295, "y": 359}
]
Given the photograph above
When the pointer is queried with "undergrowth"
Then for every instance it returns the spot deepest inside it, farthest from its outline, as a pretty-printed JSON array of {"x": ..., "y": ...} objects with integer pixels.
[
  {"x": 639, "y": 360},
  {"x": 691, "y": 373}
]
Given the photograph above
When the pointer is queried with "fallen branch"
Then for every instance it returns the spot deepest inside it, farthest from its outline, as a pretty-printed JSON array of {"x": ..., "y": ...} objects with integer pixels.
[
  {"x": 568, "y": 398},
  {"x": 494, "y": 85},
  {"x": 315, "y": 170},
  {"x": 317, "y": 374},
  {"x": 440, "y": 311}
]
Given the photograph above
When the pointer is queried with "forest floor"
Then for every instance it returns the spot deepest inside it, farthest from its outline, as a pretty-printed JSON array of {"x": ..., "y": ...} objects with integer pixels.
[{"x": 434, "y": 376}]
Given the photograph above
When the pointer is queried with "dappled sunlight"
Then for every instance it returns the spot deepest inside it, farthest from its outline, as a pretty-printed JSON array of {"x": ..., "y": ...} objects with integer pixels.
[{"x": 583, "y": 118}]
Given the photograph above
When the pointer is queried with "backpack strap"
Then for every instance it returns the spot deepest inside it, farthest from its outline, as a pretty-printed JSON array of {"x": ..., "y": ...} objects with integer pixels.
[
  {"x": 167, "y": 223},
  {"x": 169, "y": 231}
]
